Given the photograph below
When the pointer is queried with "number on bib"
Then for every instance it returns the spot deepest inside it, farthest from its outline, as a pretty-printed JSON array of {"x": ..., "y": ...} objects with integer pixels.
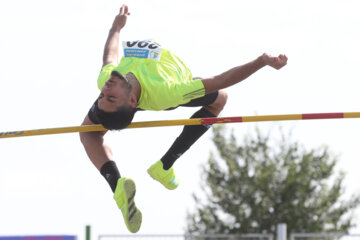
[{"x": 142, "y": 49}]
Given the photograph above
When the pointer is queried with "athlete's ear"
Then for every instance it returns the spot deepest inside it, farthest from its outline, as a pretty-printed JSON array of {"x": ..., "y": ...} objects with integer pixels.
[{"x": 132, "y": 100}]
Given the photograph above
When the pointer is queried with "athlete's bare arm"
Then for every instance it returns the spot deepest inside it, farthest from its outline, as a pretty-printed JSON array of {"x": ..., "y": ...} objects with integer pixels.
[
  {"x": 93, "y": 142},
  {"x": 98, "y": 152},
  {"x": 111, "y": 50},
  {"x": 242, "y": 72}
]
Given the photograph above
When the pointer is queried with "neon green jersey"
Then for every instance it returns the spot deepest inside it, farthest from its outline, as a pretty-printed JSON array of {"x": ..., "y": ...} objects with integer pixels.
[{"x": 164, "y": 79}]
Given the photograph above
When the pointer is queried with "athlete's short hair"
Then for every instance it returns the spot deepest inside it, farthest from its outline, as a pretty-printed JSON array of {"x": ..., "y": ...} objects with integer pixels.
[{"x": 116, "y": 120}]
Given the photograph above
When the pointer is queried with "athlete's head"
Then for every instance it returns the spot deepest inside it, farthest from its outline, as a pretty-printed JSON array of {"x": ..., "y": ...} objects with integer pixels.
[{"x": 116, "y": 106}]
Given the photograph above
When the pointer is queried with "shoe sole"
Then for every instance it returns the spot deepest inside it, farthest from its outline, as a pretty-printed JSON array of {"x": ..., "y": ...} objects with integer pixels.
[{"x": 133, "y": 215}]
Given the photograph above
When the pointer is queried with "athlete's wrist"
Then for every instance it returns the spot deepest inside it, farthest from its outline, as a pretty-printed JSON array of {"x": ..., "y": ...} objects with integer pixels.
[
  {"x": 115, "y": 29},
  {"x": 261, "y": 60}
]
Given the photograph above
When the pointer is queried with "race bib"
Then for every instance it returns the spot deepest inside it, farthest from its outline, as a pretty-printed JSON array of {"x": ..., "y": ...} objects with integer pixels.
[{"x": 142, "y": 49}]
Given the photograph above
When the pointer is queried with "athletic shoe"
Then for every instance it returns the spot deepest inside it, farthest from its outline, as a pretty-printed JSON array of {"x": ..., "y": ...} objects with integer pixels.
[
  {"x": 124, "y": 197},
  {"x": 165, "y": 177}
]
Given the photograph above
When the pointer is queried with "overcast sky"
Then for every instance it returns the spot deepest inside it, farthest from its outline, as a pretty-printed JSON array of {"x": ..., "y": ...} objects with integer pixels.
[{"x": 51, "y": 54}]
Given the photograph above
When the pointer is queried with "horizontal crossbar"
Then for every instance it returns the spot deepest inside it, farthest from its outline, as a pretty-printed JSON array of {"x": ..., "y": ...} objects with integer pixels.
[{"x": 178, "y": 122}]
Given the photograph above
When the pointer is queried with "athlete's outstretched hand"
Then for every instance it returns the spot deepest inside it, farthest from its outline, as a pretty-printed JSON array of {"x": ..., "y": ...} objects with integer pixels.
[
  {"x": 120, "y": 19},
  {"x": 275, "y": 62}
]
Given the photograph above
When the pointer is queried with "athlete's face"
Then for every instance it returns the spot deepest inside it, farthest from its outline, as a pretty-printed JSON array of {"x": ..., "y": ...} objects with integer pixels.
[{"x": 115, "y": 93}]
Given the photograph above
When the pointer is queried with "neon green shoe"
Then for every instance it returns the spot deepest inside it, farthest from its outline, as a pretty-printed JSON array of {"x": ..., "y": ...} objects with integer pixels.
[
  {"x": 165, "y": 177},
  {"x": 124, "y": 197}
]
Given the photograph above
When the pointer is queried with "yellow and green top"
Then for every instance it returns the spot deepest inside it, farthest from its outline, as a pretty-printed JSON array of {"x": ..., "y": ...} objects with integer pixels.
[{"x": 164, "y": 79}]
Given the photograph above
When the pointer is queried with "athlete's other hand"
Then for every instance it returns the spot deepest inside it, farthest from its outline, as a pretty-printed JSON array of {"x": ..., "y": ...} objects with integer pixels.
[
  {"x": 120, "y": 19},
  {"x": 275, "y": 62}
]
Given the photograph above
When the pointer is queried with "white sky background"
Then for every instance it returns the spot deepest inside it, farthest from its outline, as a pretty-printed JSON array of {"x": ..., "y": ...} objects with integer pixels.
[{"x": 51, "y": 54}]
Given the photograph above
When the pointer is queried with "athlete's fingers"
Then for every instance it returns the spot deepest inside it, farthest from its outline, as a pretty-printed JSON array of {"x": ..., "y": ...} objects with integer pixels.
[
  {"x": 125, "y": 10},
  {"x": 283, "y": 58}
]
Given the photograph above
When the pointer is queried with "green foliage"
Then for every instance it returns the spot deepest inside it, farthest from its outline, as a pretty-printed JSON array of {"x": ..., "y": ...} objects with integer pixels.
[{"x": 252, "y": 187}]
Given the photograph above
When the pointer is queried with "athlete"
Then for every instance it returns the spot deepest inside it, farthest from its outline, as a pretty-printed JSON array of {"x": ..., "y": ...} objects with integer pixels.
[{"x": 149, "y": 77}]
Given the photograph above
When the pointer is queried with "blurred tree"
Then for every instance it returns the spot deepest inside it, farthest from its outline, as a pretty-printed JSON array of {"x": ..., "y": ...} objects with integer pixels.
[{"x": 250, "y": 188}]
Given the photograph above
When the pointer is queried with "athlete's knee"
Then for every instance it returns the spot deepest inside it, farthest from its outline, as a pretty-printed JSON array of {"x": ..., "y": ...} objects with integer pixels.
[
  {"x": 217, "y": 106},
  {"x": 221, "y": 100}
]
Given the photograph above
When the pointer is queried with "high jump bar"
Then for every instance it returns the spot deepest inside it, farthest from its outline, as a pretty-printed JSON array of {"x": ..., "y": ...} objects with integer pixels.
[{"x": 178, "y": 122}]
